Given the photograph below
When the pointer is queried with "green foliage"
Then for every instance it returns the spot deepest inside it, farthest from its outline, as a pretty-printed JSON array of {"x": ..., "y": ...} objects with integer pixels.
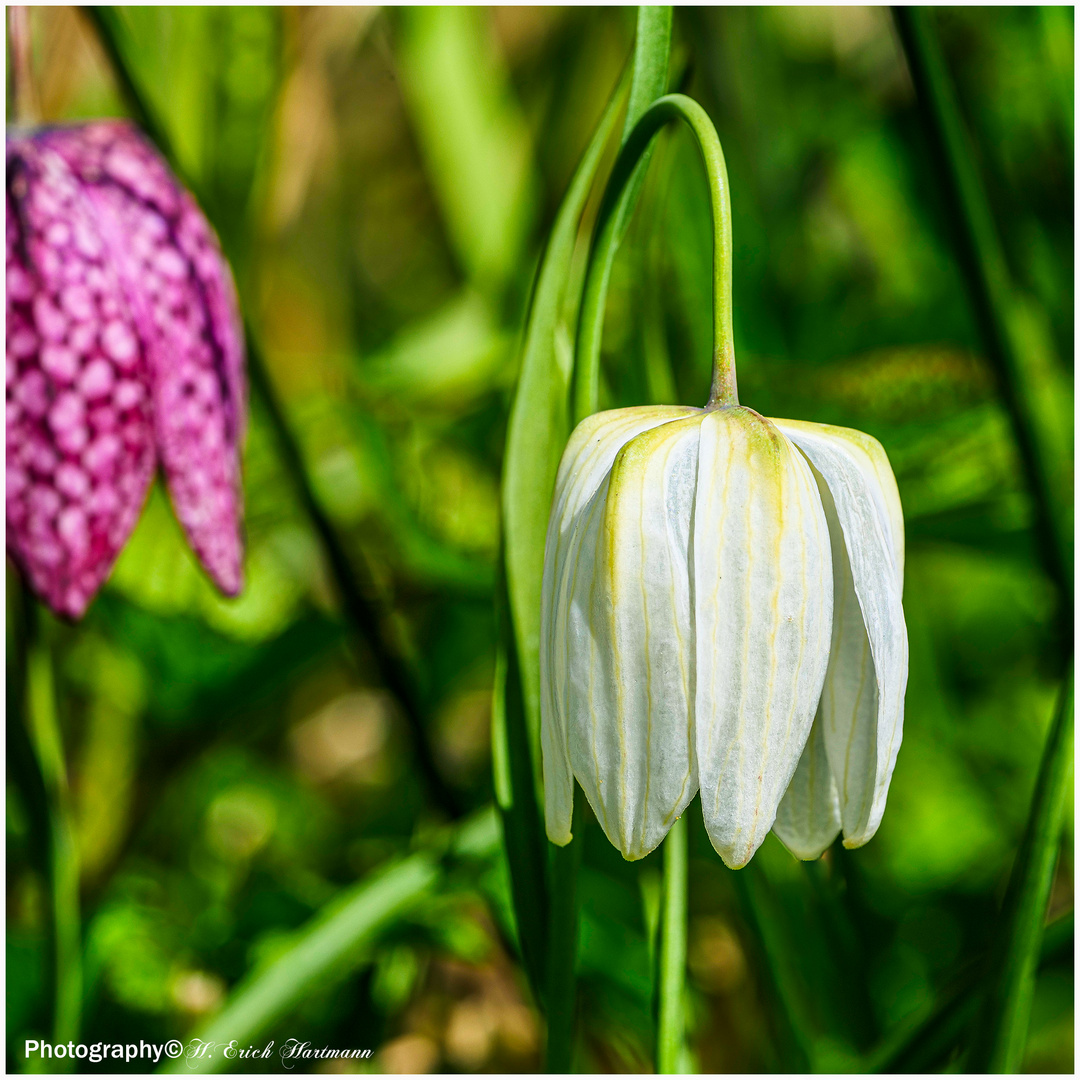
[
  {"x": 403, "y": 195},
  {"x": 343, "y": 928}
]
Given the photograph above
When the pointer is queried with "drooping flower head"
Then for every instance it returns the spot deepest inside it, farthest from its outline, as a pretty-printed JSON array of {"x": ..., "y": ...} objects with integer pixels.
[
  {"x": 124, "y": 350},
  {"x": 721, "y": 606},
  {"x": 721, "y": 613}
]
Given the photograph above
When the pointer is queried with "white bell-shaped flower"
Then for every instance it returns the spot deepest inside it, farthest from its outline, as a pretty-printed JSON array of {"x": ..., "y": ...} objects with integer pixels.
[{"x": 708, "y": 573}]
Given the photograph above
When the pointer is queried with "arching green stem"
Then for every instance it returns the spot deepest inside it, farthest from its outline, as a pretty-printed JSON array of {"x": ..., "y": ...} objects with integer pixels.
[{"x": 605, "y": 237}]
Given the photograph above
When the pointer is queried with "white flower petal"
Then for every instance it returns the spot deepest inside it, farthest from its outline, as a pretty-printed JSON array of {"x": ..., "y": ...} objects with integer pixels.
[
  {"x": 569, "y": 562},
  {"x": 863, "y": 700},
  {"x": 762, "y": 589},
  {"x": 808, "y": 819},
  {"x": 630, "y": 629}
]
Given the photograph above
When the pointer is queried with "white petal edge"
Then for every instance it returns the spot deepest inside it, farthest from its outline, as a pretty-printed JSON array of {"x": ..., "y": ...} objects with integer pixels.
[
  {"x": 808, "y": 819},
  {"x": 762, "y": 587},
  {"x": 584, "y": 467},
  {"x": 863, "y": 699}
]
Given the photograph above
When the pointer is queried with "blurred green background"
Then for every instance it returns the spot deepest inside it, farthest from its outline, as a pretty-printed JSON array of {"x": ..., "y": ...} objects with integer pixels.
[{"x": 383, "y": 180}]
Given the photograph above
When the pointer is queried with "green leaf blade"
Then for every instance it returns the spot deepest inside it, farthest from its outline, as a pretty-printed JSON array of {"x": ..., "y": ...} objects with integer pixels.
[
  {"x": 320, "y": 950},
  {"x": 1001, "y": 1032}
]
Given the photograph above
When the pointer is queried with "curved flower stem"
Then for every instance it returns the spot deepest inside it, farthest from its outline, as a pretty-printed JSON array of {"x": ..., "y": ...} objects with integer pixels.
[
  {"x": 605, "y": 238},
  {"x": 671, "y": 1024},
  {"x": 25, "y": 107}
]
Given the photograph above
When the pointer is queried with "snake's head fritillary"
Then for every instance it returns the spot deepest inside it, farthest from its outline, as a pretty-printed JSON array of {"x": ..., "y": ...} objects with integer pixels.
[
  {"x": 124, "y": 350},
  {"x": 721, "y": 613}
]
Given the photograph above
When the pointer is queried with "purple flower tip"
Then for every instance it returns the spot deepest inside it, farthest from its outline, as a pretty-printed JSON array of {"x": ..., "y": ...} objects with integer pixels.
[{"x": 124, "y": 349}]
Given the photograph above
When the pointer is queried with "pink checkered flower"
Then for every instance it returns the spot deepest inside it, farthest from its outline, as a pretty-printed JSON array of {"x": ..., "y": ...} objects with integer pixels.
[{"x": 124, "y": 349}]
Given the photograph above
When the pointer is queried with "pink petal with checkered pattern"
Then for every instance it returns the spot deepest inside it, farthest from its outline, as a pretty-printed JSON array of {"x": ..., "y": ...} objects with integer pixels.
[
  {"x": 181, "y": 294},
  {"x": 80, "y": 440}
]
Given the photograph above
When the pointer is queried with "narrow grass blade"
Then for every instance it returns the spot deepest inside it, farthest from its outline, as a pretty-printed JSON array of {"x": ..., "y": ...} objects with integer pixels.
[
  {"x": 1035, "y": 393},
  {"x": 515, "y": 795},
  {"x": 1001, "y": 1032},
  {"x": 764, "y": 919},
  {"x": 652, "y": 47},
  {"x": 111, "y": 35},
  {"x": 536, "y": 432},
  {"x": 539, "y": 422},
  {"x": 25, "y": 107},
  {"x": 925, "y": 1042},
  {"x": 323, "y": 950},
  {"x": 561, "y": 994},
  {"x": 1041, "y": 419},
  {"x": 36, "y": 765},
  {"x": 46, "y": 742}
]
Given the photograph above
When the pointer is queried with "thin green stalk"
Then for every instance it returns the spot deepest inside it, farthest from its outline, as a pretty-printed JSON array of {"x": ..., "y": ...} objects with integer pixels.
[
  {"x": 1001, "y": 1033},
  {"x": 652, "y": 49},
  {"x": 591, "y": 320},
  {"x": 839, "y": 922},
  {"x": 398, "y": 674},
  {"x": 562, "y": 951},
  {"x": 925, "y": 1042},
  {"x": 106, "y": 23},
  {"x": 1031, "y": 393},
  {"x": 671, "y": 1022},
  {"x": 650, "y": 887},
  {"x": 791, "y": 1012},
  {"x": 47, "y": 744},
  {"x": 619, "y": 196},
  {"x": 28, "y": 771},
  {"x": 516, "y": 798},
  {"x": 1040, "y": 428}
]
